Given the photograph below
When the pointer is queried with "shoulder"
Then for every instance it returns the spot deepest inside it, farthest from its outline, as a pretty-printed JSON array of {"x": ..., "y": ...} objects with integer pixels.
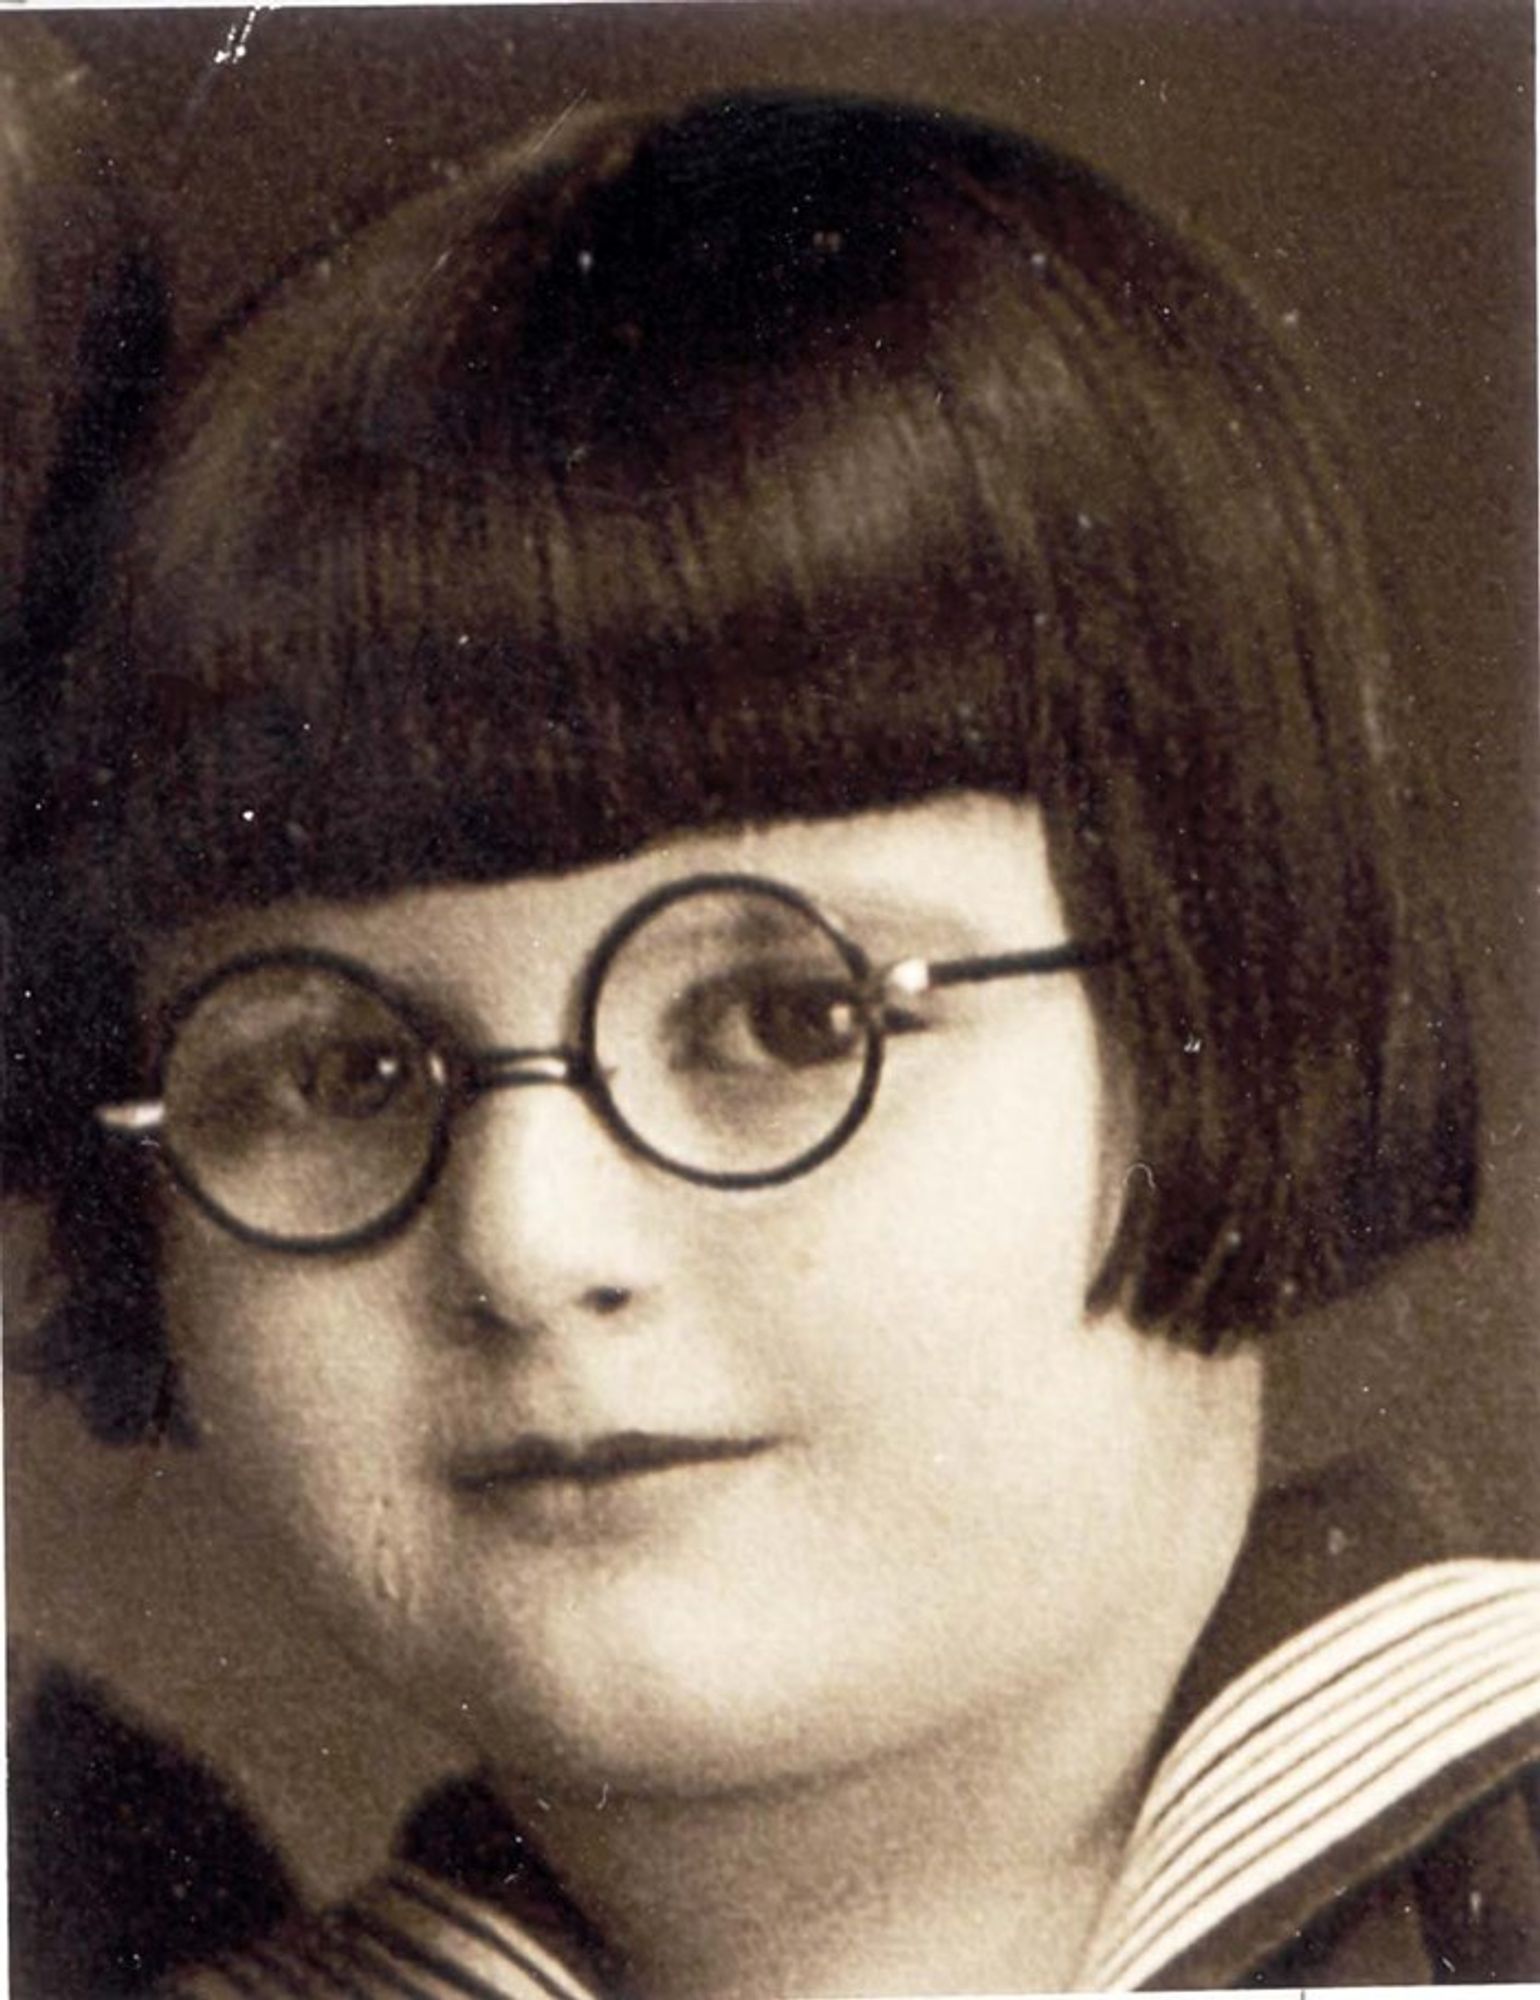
[
  {"x": 1347, "y": 1786},
  {"x": 127, "y": 1855},
  {"x": 1463, "y": 1907}
]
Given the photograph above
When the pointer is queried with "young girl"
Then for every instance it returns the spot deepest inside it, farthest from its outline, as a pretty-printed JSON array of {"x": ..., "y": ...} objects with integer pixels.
[{"x": 729, "y": 917}]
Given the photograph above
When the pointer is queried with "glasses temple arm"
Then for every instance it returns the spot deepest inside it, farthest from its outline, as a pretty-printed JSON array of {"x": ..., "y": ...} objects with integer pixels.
[{"x": 918, "y": 975}]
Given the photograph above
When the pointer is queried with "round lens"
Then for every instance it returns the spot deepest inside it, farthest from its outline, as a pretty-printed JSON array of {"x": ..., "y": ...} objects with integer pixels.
[
  {"x": 731, "y": 1032},
  {"x": 301, "y": 1105}
]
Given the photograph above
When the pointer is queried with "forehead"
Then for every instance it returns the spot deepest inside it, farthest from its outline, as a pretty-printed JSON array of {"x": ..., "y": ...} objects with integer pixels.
[{"x": 966, "y": 871}]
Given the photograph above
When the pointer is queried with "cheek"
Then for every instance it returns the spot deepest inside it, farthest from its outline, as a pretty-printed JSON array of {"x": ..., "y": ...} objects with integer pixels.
[
  {"x": 968, "y": 1212},
  {"x": 941, "y": 1293},
  {"x": 977, "y": 1442},
  {"x": 929, "y": 1292},
  {"x": 307, "y": 1413}
]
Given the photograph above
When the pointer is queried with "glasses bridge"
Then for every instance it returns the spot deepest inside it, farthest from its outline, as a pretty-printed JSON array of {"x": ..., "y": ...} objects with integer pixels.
[{"x": 515, "y": 1069}]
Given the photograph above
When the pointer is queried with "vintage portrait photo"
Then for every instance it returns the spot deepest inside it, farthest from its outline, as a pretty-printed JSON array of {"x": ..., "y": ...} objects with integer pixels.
[{"x": 770, "y": 1141}]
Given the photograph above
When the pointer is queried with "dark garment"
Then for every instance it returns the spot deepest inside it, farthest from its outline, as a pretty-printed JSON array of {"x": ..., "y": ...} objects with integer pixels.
[
  {"x": 126, "y": 1858},
  {"x": 1342, "y": 1793}
]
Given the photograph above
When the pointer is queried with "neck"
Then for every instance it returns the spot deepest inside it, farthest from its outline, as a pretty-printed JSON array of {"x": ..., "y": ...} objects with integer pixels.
[
  {"x": 975, "y": 1861},
  {"x": 916, "y": 1876}
]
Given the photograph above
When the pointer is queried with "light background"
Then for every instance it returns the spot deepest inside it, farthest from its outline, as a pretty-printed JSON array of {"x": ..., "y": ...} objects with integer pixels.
[{"x": 1368, "y": 169}]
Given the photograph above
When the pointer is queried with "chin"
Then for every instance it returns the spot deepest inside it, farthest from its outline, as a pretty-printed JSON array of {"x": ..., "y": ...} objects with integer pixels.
[
  {"x": 691, "y": 1764},
  {"x": 711, "y": 1731},
  {"x": 649, "y": 1747}
]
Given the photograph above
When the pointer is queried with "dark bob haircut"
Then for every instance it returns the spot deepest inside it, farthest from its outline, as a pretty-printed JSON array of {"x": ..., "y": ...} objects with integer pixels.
[
  {"x": 784, "y": 456},
  {"x": 82, "y": 339}
]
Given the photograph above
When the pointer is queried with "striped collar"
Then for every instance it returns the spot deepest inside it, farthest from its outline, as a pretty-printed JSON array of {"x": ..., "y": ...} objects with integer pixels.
[
  {"x": 1289, "y": 1778},
  {"x": 407, "y": 1936},
  {"x": 1337, "y": 1752}
]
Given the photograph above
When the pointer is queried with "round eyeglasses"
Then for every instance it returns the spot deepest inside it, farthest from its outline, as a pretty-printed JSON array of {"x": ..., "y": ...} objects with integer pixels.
[{"x": 729, "y": 1031}]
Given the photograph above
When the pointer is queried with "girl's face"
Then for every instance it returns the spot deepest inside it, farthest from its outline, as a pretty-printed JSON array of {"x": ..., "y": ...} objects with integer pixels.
[{"x": 879, "y": 1473}]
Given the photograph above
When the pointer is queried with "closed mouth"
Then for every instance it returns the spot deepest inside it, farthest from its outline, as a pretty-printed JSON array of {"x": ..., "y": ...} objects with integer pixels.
[{"x": 538, "y": 1460}]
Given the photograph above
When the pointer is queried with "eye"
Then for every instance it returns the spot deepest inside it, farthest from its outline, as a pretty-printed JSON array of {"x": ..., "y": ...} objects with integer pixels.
[
  {"x": 766, "y": 1018},
  {"x": 353, "y": 1078},
  {"x": 280, "y": 1051},
  {"x": 294, "y": 1082}
]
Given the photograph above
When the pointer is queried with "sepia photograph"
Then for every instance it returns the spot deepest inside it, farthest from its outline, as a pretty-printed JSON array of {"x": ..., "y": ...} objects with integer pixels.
[{"x": 771, "y": 1190}]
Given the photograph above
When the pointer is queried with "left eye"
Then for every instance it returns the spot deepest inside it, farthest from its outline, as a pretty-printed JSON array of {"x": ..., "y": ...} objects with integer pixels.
[{"x": 764, "y": 1021}]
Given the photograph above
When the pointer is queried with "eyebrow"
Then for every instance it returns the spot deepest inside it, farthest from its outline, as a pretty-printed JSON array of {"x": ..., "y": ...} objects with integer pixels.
[{"x": 914, "y": 928}]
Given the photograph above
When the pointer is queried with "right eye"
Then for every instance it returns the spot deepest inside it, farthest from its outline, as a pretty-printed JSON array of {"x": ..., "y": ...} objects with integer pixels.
[
  {"x": 279, "y": 1052},
  {"x": 278, "y": 1089},
  {"x": 358, "y": 1078}
]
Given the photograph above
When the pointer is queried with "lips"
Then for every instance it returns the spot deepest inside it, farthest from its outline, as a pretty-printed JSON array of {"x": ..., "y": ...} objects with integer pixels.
[{"x": 535, "y": 1461}]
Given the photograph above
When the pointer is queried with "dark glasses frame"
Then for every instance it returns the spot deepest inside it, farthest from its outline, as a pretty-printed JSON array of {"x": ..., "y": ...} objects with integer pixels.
[{"x": 461, "y": 1076}]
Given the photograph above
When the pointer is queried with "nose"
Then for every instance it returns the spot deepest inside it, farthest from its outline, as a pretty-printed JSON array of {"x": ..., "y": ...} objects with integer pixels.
[{"x": 541, "y": 1218}]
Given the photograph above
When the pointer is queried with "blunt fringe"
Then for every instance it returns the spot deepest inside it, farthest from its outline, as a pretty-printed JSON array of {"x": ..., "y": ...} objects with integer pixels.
[{"x": 790, "y": 456}]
